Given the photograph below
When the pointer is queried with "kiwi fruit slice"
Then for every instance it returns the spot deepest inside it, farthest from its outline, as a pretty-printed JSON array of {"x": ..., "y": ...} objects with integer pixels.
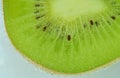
[{"x": 66, "y": 36}]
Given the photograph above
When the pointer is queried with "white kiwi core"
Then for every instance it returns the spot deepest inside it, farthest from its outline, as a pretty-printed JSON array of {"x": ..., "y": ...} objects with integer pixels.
[{"x": 73, "y": 8}]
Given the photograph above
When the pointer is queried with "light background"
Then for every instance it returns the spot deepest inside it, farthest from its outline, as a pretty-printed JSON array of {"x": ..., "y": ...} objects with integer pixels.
[{"x": 13, "y": 65}]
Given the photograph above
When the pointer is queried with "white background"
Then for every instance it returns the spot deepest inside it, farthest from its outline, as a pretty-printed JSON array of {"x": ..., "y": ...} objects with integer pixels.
[{"x": 13, "y": 65}]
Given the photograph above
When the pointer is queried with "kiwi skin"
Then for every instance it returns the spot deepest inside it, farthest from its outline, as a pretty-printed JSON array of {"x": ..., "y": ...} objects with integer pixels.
[{"x": 20, "y": 51}]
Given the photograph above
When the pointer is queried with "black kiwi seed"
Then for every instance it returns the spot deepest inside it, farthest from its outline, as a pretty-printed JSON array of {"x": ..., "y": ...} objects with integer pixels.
[
  {"x": 69, "y": 37},
  {"x": 37, "y": 5},
  {"x": 44, "y": 28},
  {"x": 113, "y": 17},
  {"x": 38, "y": 17},
  {"x": 91, "y": 22},
  {"x": 96, "y": 23}
]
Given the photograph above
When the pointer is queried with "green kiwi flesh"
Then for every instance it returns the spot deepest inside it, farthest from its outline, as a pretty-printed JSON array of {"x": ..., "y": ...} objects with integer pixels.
[{"x": 67, "y": 36}]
